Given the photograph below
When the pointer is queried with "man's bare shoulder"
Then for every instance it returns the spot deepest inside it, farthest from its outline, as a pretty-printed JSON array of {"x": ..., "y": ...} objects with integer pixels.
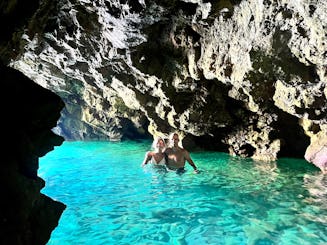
[
  {"x": 185, "y": 152},
  {"x": 168, "y": 150}
]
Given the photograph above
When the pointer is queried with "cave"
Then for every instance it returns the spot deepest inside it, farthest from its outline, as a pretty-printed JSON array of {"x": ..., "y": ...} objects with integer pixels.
[{"x": 70, "y": 73}]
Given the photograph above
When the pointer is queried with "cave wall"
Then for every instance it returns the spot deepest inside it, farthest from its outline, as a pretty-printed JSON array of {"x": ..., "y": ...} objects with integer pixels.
[
  {"x": 222, "y": 73},
  {"x": 248, "y": 77},
  {"x": 29, "y": 112},
  {"x": 237, "y": 76}
]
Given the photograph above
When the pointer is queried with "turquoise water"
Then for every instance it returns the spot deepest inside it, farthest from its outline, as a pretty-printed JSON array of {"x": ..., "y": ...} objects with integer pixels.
[{"x": 111, "y": 200}]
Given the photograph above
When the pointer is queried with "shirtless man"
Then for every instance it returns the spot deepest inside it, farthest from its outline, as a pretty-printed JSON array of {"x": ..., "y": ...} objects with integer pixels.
[{"x": 177, "y": 156}]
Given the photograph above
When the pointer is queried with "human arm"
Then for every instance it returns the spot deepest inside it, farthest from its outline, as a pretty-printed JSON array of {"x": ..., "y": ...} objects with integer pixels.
[
  {"x": 147, "y": 158},
  {"x": 166, "y": 153},
  {"x": 190, "y": 161}
]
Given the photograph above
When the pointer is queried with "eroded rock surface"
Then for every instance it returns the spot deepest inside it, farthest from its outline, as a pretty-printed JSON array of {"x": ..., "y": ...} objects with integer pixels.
[
  {"x": 229, "y": 75},
  {"x": 29, "y": 112}
]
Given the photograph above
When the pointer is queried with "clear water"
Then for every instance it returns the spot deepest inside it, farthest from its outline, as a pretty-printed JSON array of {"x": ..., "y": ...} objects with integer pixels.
[{"x": 111, "y": 200}]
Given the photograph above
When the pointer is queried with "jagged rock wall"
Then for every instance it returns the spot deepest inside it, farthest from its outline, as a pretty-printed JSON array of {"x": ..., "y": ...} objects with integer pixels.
[
  {"x": 236, "y": 75},
  {"x": 29, "y": 113},
  {"x": 245, "y": 75}
]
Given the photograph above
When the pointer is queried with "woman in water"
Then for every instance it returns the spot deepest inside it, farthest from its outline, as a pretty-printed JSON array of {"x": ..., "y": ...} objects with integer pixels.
[{"x": 156, "y": 157}]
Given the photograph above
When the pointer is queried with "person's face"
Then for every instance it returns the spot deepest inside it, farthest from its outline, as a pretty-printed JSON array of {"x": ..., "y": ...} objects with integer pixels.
[
  {"x": 161, "y": 144},
  {"x": 175, "y": 139}
]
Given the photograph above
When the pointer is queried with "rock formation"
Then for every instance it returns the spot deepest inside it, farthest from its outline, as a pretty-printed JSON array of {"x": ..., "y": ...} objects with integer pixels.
[
  {"x": 29, "y": 112},
  {"x": 235, "y": 75},
  {"x": 248, "y": 77}
]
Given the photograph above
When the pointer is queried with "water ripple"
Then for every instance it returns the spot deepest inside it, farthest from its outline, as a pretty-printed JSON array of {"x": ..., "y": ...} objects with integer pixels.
[{"x": 111, "y": 200}]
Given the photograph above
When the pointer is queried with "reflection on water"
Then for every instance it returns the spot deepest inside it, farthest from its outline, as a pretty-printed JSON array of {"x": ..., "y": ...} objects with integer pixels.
[
  {"x": 111, "y": 200},
  {"x": 316, "y": 185}
]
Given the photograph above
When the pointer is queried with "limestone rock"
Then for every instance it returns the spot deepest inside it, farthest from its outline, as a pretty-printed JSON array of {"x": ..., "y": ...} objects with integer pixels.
[
  {"x": 224, "y": 73},
  {"x": 317, "y": 150}
]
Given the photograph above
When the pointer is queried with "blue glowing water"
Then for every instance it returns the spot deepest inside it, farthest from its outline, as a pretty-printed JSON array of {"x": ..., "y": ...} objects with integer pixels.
[{"x": 111, "y": 200}]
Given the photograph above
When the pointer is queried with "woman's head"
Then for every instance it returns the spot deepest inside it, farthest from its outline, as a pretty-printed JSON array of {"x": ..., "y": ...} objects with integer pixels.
[{"x": 159, "y": 143}]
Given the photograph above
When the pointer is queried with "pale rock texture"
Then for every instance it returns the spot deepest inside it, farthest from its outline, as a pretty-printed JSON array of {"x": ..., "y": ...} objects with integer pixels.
[
  {"x": 248, "y": 77},
  {"x": 231, "y": 76},
  {"x": 317, "y": 150}
]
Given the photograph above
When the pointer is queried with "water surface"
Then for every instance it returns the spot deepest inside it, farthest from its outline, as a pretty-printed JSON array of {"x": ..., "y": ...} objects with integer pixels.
[{"x": 111, "y": 200}]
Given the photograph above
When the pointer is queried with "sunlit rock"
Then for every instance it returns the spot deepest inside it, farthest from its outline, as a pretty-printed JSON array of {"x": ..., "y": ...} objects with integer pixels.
[
  {"x": 317, "y": 150},
  {"x": 235, "y": 75}
]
